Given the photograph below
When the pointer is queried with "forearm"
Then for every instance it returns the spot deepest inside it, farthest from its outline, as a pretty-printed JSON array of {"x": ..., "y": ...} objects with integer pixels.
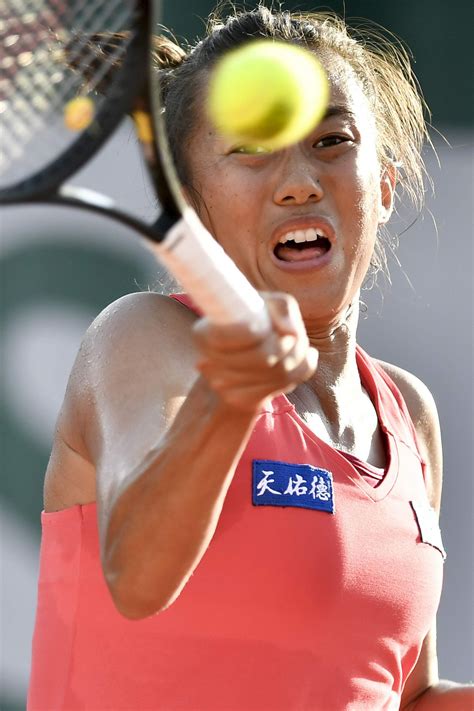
[
  {"x": 444, "y": 696},
  {"x": 162, "y": 523}
]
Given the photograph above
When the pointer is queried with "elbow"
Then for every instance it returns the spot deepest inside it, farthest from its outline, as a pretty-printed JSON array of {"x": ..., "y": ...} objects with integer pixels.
[
  {"x": 129, "y": 589},
  {"x": 139, "y": 588},
  {"x": 134, "y": 609},
  {"x": 133, "y": 599},
  {"x": 129, "y": 598}
]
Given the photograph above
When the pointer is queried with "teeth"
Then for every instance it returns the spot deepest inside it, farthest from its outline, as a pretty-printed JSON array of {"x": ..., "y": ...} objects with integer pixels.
[
  {"x": 309, "y": 235},
  {"x": 299, "y": 236}
]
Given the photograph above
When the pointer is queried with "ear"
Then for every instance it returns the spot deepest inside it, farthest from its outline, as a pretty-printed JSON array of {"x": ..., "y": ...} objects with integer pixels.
[{"x": 388, "y": 183}]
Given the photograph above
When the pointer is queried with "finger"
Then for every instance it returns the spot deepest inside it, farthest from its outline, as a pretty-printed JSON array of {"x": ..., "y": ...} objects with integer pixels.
[
  {"x": 285, "y": 313},
  {"x": 225, "y": 337},
  {"x": 266, "y": 355},
  {"x": 252, "y": 396},
  {"x": 287, "y": 374},
  {"x": 306, "y": 367},
  {"x": 222, "y": 378}
]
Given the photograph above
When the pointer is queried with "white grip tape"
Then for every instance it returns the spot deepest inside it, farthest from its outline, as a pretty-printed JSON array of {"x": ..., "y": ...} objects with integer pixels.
[{"x": 209, "y": 275}]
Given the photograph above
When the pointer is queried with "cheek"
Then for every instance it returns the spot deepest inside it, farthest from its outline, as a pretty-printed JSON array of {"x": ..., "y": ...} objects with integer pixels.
[
  {"x": 363, "y": 199},
  {"x": 228, "y": 203},
  {"x": 226, "y": 213},
  {"x": 367, "y": 200},
  {"x": 211, "y": 207}
]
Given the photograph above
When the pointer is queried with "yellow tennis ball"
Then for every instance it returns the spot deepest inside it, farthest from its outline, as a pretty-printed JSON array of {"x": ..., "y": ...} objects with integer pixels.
[
  {"x": 267, "y": 93},
  {"x": 79, "y": 113}
]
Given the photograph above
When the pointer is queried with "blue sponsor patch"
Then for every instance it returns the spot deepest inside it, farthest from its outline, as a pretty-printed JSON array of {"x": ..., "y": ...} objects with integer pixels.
[{"x": 284, "y": 484}]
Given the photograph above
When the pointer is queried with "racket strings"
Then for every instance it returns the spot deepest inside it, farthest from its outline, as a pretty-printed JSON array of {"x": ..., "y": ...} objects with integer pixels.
[
  {"x": 54, "y": 58},
  {"x": 51, "y": 53}
]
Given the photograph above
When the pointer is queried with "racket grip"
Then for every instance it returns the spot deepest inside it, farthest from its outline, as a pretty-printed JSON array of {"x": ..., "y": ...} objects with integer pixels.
[{"x": 209, "y": 276}]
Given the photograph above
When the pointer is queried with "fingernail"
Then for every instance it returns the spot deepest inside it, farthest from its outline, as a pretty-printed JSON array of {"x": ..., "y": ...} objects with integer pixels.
[
  {"x": 289, "y": 363},
  {"x": 288, "y": 342},
  {"x": 313, "y": 357}
]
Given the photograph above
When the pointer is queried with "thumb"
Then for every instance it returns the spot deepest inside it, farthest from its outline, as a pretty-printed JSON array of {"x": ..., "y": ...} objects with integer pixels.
[{"x": 284, "y": 313}]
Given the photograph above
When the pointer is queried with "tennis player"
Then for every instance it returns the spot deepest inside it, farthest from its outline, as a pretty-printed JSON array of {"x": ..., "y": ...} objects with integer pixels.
[{"x": 237, "y": 522}]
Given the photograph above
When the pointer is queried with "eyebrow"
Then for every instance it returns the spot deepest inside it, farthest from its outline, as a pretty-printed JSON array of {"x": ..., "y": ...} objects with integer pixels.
[{"x": 338, "y": 110}]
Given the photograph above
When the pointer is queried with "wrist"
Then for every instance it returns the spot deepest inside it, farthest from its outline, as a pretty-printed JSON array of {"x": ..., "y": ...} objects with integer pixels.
[{"x": 236, "y": 407}]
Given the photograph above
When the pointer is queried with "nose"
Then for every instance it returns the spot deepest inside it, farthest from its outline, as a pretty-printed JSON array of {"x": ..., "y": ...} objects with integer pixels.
[{"x": 298, "y": 182}]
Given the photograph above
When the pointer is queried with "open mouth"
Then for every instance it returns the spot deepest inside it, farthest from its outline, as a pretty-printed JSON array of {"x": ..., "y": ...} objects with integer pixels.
[{"x": 302, "y": 245}]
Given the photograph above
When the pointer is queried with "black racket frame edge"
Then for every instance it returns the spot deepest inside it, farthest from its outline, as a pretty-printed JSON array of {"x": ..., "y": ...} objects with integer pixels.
[{"x": 44, "y": 187}]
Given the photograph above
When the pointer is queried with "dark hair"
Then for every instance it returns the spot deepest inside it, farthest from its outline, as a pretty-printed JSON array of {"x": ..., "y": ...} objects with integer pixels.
[{"x": 379, "y": 61}]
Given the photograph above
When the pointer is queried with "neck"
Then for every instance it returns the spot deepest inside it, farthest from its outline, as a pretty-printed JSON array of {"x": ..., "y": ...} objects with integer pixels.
[
  {"x": 336, "y": 345},
  {"x": 335, "y": 390}
]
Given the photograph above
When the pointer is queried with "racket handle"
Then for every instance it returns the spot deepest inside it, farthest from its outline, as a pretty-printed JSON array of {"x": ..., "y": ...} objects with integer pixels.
[{"x": 209, "y": 275}]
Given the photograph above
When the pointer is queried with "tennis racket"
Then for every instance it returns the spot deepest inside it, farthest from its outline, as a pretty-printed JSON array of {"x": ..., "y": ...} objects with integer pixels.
[{"x": 63, "y": 92}]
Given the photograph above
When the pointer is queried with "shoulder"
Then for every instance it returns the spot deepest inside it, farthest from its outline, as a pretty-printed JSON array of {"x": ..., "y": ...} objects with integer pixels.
[
  {"x": 137, "y": 346},
  {"x": 424, "y": 415},
  {"x": 137, "y": 310},
  {"x": 143, "y": 322},
  {"x": 418, "y": 398}
]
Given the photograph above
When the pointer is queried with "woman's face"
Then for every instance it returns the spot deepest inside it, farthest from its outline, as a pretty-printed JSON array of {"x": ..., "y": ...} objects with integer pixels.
[{"x": 328, "y": 189}]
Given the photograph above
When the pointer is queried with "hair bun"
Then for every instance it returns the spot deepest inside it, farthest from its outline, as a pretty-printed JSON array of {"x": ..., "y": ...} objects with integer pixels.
[{"x": 166, "y": 54}]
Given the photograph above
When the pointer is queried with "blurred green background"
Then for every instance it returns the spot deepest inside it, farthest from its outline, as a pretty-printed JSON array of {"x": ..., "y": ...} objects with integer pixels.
[
  {"x": 439, "y": 34},
  {"x": 60, "y": 269}
]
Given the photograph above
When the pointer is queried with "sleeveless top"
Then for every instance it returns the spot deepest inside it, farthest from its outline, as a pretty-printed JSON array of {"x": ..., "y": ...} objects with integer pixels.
[{"x": 315, "y": 593}]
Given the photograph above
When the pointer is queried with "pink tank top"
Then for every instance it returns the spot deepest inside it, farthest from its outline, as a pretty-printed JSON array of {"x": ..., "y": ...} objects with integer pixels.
[{"x": 315, "y": 593}]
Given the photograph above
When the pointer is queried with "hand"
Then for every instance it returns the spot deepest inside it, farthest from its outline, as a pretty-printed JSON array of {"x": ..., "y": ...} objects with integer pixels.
[{"x": 245, "y": 369}]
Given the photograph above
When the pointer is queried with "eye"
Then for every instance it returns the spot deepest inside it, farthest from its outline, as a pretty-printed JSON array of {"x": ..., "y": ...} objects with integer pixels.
[
  {"x": 331, "y": 141},
  {"x": 250, "y": 150}
]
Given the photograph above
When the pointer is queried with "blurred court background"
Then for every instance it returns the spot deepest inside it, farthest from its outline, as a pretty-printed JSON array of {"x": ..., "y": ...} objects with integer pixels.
[{"x": 60, "y": 268}]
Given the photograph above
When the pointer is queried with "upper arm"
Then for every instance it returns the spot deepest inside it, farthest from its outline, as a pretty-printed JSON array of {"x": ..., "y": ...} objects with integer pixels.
[
  {"x": 424, "y": 674},
  {"x": 424, "y": 415},
  {"x": 133, "y": 371}
]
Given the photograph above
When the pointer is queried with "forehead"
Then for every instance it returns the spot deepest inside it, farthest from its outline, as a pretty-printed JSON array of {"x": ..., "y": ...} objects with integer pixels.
[
  {"x": 345, "y": 92},
  {"x": 346, "y": 87}
]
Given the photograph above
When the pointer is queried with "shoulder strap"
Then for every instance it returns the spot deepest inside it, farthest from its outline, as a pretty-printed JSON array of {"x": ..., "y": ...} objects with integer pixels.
[{"x": 391, "y": 403}]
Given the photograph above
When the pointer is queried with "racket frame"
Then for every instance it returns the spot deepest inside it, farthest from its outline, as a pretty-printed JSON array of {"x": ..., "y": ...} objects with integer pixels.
[
  {"x": 182, "y": 242},
  {"x": 120, "y": 102}
]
